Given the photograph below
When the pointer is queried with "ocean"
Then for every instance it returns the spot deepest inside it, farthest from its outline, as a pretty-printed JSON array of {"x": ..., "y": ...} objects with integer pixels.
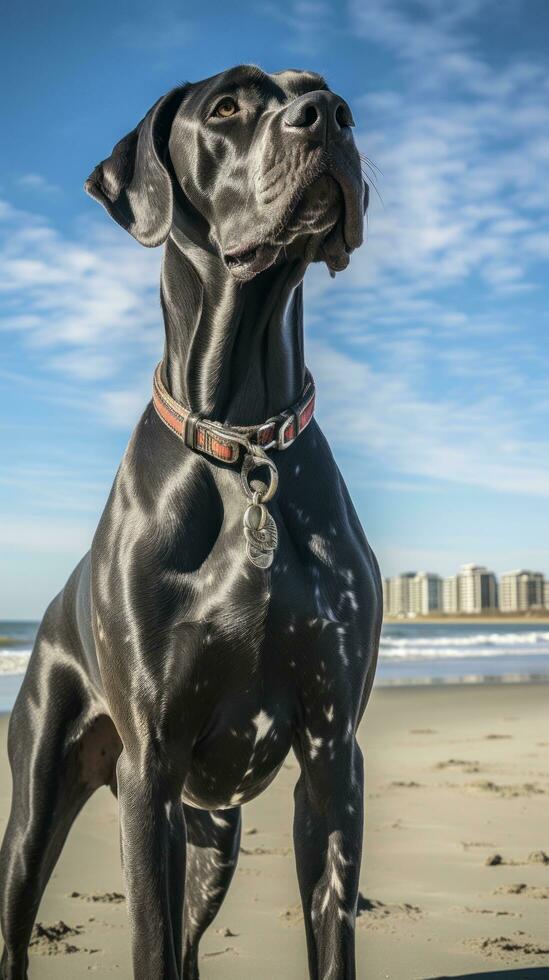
[{"x": 410, "y": 653}]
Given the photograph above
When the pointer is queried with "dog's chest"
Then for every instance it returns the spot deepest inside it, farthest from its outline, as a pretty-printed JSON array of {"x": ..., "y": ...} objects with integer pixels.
[{"x": 240, "y": 755}]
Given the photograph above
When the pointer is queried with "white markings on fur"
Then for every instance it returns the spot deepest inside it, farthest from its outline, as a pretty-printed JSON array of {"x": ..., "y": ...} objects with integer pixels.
[
  {"x": 100, "y": 630},
  {"x": 336, "y": 883},
  {"x": 348, "y": 917},
  {"x": 236, "y": 799},
  {"x": 333, "y": 883},
  {"x": 322, "y": 549},
  {"x": 262, "y": 724},
  {"x": 341, "y": 645},
  {"x": 219, "y": 821},
  {"x": 315, "y": 743},
  {"x": 329, "y": 713},
  {"x": 349, "y": 594}
]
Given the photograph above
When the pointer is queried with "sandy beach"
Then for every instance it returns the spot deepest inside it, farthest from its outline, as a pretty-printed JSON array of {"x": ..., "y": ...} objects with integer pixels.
[{"x": 455, "y": 876}]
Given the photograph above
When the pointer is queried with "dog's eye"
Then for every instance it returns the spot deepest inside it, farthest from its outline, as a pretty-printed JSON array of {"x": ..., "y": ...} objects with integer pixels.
[{"x": 225, "y": 108}]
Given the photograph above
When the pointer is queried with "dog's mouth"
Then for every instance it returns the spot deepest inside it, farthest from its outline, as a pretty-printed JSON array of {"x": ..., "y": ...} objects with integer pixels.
[
  {"x": 326, "y": 216},
  {"x": 247, "y": 262}
]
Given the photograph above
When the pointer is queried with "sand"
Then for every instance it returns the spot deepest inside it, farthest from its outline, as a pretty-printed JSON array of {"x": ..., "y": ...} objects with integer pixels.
[{"x": 455, "y": 877}]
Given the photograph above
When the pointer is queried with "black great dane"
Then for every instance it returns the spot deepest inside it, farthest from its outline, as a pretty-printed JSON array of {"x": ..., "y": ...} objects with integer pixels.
[{"x": 215, "y": 624}]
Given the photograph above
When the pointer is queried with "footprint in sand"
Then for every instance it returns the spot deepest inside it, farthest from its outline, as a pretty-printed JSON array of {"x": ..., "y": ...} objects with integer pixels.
[
  {"x": 293, "y": 915},
  {"x": 535, "y": 857},
  {"x": 368, "y": 910},
  {"x": 530, "y": 891},
  {"x": 221, "y": 952},
  {"x": 466, "y": 765},
  {"x": 53, "y": 940},
  {"x": 495, "y": 859},
  {"x": 514, "y": 948},
  {"x": 373, "y": 909},
  {"x": 538, "y": 857},
  {"x": 403, "y": 784},
  {"x": 504, "y": 791},
  {"x": 514, "y": 915},
  {"x": 107, "y": 898}
]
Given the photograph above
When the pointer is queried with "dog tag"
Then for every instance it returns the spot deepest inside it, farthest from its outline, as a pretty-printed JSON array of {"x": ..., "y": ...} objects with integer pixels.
[
  {"x": 261, "y": 534},
  {"x": 255, "y": 517}
]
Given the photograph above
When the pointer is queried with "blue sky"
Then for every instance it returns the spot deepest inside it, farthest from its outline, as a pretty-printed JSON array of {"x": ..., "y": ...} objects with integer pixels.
[{"x": 430, "y": 351}]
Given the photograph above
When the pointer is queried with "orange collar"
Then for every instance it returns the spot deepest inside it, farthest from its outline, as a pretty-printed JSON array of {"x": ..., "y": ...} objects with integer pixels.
[{"x": 224, "y": 442}]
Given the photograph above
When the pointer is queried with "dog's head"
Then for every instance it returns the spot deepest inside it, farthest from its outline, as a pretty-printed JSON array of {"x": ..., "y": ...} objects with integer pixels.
[{"x": 253, "y": 166}]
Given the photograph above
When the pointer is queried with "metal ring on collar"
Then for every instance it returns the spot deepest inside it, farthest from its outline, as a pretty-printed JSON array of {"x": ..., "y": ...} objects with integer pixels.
[{"x": 252, "y": 461}]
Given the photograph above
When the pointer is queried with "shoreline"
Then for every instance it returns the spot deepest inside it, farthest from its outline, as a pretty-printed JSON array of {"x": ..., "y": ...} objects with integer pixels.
[
  {"x": 469, "y": 681},
  {"x": 469, "y": 620}
]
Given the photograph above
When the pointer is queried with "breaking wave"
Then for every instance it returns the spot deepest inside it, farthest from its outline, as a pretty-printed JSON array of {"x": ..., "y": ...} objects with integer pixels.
[
  {"x": 13, "y": 661},
  {"x": 451, "y": 645}
]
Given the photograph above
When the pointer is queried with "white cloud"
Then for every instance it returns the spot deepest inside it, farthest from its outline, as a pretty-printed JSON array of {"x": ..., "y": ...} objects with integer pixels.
[
  {"x": 476, "y": 440},
  {"x": 463, "y": 151},
  {"x": 122, "y": 407},
  {"x": 38, "y": 183},
  {"x": 87, "y": 304}
]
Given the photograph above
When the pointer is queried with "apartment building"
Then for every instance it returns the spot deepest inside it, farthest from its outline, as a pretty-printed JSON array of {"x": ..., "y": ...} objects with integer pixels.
[
  {"x": 386, "y": 585},
  {"x": 412, "y": 593},
  {"x": 450, "y": 595},
  {"x": 521, "y": 590},
  {"x": 477, "y": 589},
  {"x": 399, "y": 594},
  {"x": 473, "y": 590},
  {"x": 426, "y": 593}
]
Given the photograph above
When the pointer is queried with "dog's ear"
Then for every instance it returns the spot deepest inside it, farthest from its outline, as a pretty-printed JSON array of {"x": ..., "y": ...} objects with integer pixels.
[{"x": 134, "y": 184}]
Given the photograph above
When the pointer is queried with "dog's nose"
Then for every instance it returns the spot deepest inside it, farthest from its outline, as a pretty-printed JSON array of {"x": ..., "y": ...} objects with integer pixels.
[{"x": 318, "y": 116}]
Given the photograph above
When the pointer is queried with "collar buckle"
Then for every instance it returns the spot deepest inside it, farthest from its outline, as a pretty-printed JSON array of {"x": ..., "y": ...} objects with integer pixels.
[
  {"x": 263, "y": 432},
  {"x": 283, "y": 441}
]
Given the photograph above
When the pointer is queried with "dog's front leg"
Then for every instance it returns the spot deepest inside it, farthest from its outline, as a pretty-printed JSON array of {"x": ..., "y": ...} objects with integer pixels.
[
  {"x": 152, "y": 834},
  {"x": 328, "y": 846}
]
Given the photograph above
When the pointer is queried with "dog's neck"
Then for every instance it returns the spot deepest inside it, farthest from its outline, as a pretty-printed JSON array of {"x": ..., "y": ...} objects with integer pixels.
[{"x": 234, "y": 351}]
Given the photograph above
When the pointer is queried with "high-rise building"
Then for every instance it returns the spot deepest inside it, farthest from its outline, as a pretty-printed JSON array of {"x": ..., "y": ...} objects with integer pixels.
[
  {"x": 473, "y": 590},
  {"x": 521, "y": 590},
  {"x": 386, "y": 583},
  {"x": 400, "y": 600},
  {"x": 412, "y": 594},
  {"x": 450, "y": 595},
  {"x": 477, "y": 589},
  {"x": 425, "y": 593}
]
